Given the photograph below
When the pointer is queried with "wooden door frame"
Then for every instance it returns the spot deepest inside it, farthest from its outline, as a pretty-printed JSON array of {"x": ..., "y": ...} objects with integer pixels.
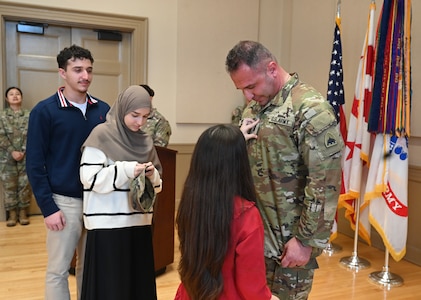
[{"x": 137, "y": 26}]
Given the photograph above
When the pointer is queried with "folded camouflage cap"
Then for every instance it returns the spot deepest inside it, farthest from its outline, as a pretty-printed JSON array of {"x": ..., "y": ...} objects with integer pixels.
[{"x": 142, "y": 193}]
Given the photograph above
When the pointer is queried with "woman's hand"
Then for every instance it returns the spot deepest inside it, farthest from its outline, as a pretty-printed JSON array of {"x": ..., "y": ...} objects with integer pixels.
[
  {"x": 148, "y": 167},
  {"x": 248, "y": 127}
]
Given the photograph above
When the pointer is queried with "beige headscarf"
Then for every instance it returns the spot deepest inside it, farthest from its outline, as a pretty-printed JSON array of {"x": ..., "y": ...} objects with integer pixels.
[{"x": 117, "y": 141}]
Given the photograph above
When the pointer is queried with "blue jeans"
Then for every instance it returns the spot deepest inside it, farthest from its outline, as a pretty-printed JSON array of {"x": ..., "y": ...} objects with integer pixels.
[{"x": 61, "y": 246}]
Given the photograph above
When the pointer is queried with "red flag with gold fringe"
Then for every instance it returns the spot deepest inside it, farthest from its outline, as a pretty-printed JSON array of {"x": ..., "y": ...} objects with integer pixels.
[{"x": 358, "y": 141}]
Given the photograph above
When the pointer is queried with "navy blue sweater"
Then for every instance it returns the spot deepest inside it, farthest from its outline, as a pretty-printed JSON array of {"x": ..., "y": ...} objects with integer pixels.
[{"x": 56, "y": 132}]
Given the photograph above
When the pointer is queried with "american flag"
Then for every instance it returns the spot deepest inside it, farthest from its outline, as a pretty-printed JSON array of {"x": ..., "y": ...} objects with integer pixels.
[
  {"x": 336, "y": 95},
  {"x": 335, "y": 88}
]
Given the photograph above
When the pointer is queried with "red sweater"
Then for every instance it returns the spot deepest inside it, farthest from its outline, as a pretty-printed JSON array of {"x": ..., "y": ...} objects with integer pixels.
[{"x": 244, "y": 269}]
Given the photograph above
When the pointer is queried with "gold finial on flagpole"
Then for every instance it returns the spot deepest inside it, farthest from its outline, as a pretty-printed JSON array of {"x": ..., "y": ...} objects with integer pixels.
[{"x": 338, "y": 9}]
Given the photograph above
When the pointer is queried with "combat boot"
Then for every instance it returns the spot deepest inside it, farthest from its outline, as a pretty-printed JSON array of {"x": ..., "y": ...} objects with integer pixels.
[
  {"x": 13, "y": 218},
  {"x": 23, "y": 218}
]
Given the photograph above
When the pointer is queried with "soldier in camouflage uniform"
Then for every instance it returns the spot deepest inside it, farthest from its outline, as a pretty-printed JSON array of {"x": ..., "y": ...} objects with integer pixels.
[
  {"x": 157, "y": 126},
  {"x": 13, "y": 129},
  {"x": 237, "y": 113},
  {"x": 295, "y": 152}
]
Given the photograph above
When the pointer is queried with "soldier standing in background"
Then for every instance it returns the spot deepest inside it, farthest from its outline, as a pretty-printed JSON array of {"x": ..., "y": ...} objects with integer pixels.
[
  {"x": 13, "y": 130},
  {"x": 295, "y": 155},
  {"x": 156, "y": 126}
]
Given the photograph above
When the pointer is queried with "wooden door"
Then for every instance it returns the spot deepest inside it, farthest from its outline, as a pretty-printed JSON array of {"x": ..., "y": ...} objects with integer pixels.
[
  {"x": 111, "y": 65},
  {"x": 31, "y": 61}
]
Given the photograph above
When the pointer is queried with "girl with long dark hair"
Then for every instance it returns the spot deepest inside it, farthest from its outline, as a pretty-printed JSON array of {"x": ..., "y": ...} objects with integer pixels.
[{"x": 219, "y": 227}]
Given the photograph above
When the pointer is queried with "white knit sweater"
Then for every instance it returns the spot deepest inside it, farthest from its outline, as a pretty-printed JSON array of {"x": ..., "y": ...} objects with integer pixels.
[{"x": 106, "y": 184}]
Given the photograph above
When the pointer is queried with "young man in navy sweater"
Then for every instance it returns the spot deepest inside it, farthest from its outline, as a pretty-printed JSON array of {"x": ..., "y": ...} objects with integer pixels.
[{"x": 57, "y": 128}]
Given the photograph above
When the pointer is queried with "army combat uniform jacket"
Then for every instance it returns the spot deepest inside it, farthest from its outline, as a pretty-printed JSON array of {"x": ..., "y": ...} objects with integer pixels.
[
  {"x": 158, "y": 128},
  {"x": 13, "y": 131},
  {"x": 296, "y": 166},
  {"x": 237, "y": 113}
]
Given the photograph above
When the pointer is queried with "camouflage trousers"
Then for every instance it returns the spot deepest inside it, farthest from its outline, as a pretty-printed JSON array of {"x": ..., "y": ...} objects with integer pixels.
[
  {"x": 17, "y": 191},
  {"x": 286, "y": 283}
]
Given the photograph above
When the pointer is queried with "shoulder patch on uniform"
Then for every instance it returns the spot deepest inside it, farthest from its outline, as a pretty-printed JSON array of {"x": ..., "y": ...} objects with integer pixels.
[{"x": 330, "y": 140}]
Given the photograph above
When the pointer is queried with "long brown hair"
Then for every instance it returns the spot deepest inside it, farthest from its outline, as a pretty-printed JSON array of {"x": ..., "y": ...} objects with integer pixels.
[{"x": 218, "y": 172}]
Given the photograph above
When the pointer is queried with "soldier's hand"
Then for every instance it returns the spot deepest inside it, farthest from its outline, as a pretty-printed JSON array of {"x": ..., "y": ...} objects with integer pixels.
[
  {"x": 18, "y": 155},
  {"x": 295, "y": 254}
]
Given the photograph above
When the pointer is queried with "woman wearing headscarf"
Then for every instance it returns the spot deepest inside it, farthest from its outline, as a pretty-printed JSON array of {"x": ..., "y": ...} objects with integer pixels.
[{"x": 119, "y": 166}]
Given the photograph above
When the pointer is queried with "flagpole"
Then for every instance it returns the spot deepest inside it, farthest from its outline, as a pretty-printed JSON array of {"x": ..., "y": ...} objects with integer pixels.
[
  {"x": 338, "y": 9},
  {"x": 354, "y": 262},
  {"x": 332, "y": 248},
  {"x": 384, "y": 277}
]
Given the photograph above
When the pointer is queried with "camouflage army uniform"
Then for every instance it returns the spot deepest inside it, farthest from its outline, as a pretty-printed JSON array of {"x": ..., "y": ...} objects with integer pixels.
[
  {"x": 158, "y": 127},
  {"x": 13, "y": 130},
  {"x": 236, "y": 114},
  {"x": 296, "y": 167}
]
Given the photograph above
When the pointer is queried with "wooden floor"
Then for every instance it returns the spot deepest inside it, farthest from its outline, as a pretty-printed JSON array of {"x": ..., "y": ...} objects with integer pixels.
[{"x": 23, "y": 261}]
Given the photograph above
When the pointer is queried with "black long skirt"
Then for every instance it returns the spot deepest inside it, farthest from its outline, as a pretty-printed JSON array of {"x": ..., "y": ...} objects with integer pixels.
[{"x": 119, "y": 265}]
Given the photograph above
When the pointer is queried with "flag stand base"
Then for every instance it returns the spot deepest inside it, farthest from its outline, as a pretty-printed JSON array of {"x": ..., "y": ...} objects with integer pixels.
[
  {"x": 385, "y": 278},
  {"x": 331, "y": 249},
  {"x": 354, "y": 262}
]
